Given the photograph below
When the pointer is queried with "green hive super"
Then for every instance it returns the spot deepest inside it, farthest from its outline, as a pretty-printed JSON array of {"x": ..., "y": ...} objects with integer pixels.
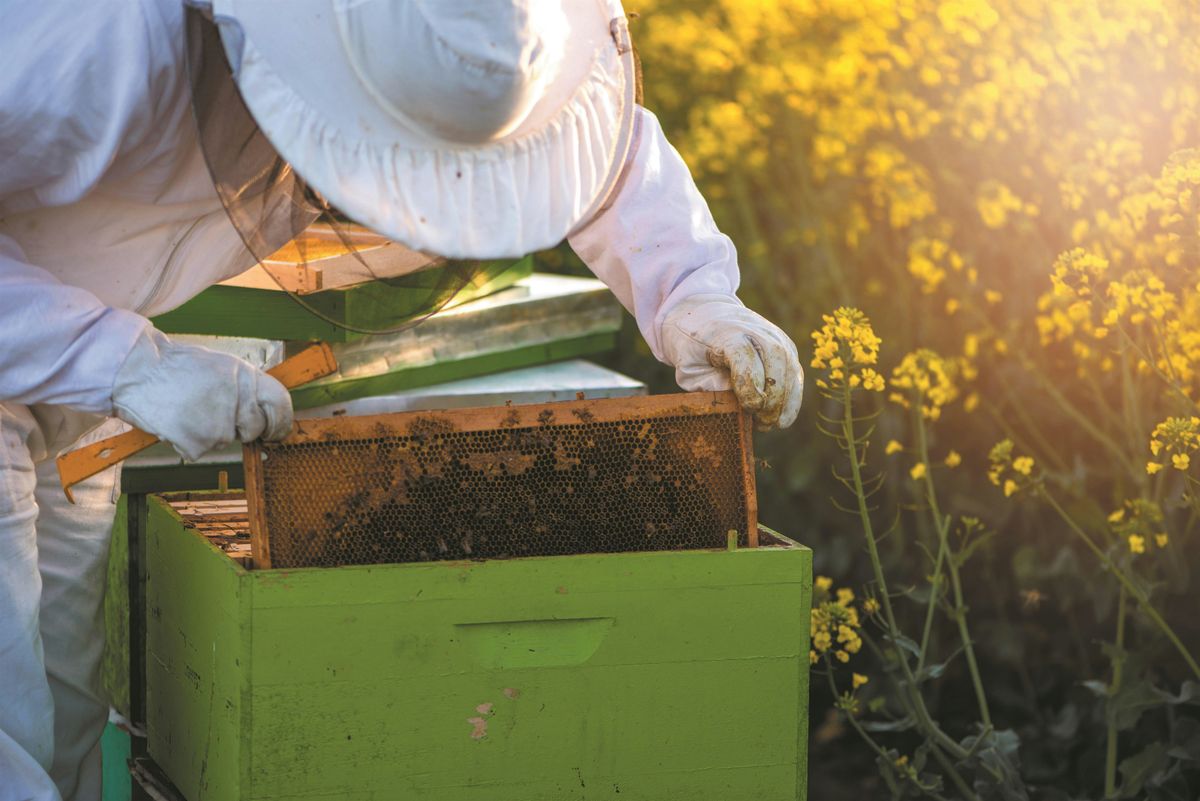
[{"x": 643, "y": 675}]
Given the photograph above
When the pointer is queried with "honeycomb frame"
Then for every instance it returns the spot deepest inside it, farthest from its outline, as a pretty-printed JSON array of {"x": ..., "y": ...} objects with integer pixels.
[{"x": 664, "y": 472}]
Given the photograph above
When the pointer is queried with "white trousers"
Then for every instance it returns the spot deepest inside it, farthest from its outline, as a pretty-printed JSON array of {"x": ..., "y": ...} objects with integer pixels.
[{"x": 53, "y": 561}]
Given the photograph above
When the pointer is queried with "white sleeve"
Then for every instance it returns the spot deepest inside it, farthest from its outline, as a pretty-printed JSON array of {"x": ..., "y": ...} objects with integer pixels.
[
  {"x": 61, "y": 345},
  {"x": 655, "y": 243}
]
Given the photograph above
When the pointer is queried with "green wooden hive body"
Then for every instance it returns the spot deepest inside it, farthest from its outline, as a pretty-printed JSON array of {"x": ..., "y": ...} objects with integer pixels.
[{"x": 632, "y": 677}]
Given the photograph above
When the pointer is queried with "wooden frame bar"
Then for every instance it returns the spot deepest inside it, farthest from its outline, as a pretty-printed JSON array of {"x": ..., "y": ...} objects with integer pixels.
[
  {"x": 260, "y": 541},
  {"x": 530, "y": 415},
  {"x": 583, "y": 411},
  {"x": 746, "y": 434}
]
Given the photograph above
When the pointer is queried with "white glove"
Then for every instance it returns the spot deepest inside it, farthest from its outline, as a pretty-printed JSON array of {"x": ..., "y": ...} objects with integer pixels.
[
  {"x": 713, "y": 341},
  {"x": 197, "y": 399}
]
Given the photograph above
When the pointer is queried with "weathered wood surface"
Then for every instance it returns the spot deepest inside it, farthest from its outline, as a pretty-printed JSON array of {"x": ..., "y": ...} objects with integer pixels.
[
  {"x": 319, "y": 259},
  {"x": 527, "y": 415},
  {"x": 543, "y": 318}
]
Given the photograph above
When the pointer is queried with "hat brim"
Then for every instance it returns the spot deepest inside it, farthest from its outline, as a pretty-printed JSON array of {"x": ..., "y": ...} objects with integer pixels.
[{"x": 522, "y": 192}]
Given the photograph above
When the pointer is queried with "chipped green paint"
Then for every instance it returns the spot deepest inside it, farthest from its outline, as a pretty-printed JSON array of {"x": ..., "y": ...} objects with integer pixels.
[
  {"x": 114, "y": 668},
  {"x": 630, "y": 677}
]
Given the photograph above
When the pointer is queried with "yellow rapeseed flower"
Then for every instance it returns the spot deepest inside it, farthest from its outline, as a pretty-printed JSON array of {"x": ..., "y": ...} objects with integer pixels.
[
  {"x": 918, "y": 471},
  {"x": 871, "y": 380},
  {"x": 1177, "y": 437},
  {"x": 846, "y": 348},
  {"x": 953, "y": 459},
  {"x": 1000, "y": 457},
  {"x": 1009, "y": 473},
  {"x": 834, "y": 625},
  {"x": 1077, "y": 272},
  {"x": 893, "y": 446},
  {"x": 858, "y": 680},
  {"x": 930, "y": 260},
  {"x": 930, "y": 380},
  {"x": 1136, "y": 523},
  {"x": 995, "y": 202},
  {"x": 1138, "y": 296}
]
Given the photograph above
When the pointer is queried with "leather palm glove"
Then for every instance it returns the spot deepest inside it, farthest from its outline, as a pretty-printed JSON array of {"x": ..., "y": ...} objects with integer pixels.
[
  {"x": 197, "y": 399},
  {"x": 715, "y": 342}
]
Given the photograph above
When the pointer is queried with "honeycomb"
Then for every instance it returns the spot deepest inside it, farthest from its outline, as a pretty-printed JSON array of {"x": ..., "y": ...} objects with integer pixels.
[{"x": 631, "y": 474}]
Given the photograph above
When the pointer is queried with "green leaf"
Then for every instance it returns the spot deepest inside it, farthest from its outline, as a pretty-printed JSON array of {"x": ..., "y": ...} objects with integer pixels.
[
  {"x": 1065, "y": 725},
  {"x": 965, "y": 554},
  {"x": 887, "y": 771},
  {"x": 1170, "y": 785},
  {"x": 1138, "y": 769},
  {"x": 1185, "y": 740},
  {"x": 931, "y": 672},
  {"x": 905, "y": 643},
  {"x": 1189, "y": 693},
  {"x": 1134, "y": 698}
]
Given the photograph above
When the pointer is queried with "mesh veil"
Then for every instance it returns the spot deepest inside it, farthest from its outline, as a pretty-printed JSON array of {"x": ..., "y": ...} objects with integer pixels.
[{"x": 267, "y": 201}]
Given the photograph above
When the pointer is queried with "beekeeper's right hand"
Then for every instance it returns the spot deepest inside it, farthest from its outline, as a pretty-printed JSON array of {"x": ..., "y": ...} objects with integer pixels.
[{"x": 197, "y": 399}]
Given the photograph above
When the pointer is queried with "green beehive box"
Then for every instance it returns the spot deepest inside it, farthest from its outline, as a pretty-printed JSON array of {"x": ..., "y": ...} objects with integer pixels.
[{"x": 630, "y": 676}]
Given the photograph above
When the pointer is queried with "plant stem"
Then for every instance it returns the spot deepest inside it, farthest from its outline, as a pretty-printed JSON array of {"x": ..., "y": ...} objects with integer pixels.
[
  {"x": 935, "y": 589},
  {"x": 924, "y": 720},
  {"x": 956, "y": 779},
  {"x": 1126, "y": 583},
  {"x": 942, "y": 524},
  {"x": 1118, "y": 663},
  {"x": 960, "y": 615},
  {"x": 964, "y": 790}
]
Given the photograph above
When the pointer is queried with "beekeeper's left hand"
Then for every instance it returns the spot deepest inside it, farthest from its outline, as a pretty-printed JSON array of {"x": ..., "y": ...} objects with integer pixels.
[{"x": 715, "y": 342}]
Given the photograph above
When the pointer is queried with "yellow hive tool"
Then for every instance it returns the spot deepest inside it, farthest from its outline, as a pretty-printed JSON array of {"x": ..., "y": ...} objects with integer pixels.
[{"x": 75, "y": 466}]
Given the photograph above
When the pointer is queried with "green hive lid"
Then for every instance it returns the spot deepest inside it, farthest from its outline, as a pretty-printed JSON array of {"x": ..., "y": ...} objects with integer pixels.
[{"x": 248, "y": 311}]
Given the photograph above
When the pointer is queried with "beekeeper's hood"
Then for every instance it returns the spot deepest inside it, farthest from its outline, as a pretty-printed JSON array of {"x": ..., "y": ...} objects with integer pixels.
[{"x": 464, "y": 128}]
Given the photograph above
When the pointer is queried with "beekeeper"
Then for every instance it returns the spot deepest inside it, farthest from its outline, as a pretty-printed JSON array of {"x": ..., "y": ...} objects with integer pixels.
[{"x": 465, "y": 128}]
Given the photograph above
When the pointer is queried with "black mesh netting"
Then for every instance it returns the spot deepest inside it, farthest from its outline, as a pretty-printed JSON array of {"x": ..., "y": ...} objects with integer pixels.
[{"x": 270, "y": 204}]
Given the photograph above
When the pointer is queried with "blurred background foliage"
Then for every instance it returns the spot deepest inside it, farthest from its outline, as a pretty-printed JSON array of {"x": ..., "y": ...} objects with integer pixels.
[{"x": 1007, "y": 183}]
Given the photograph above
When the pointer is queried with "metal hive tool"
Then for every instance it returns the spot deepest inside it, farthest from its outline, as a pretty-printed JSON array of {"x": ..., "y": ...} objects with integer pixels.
[{"x": 668, "y": 472}]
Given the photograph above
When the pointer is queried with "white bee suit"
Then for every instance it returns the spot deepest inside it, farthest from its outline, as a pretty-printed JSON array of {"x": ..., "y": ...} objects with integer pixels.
[{"x": 108, "y": 215}]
